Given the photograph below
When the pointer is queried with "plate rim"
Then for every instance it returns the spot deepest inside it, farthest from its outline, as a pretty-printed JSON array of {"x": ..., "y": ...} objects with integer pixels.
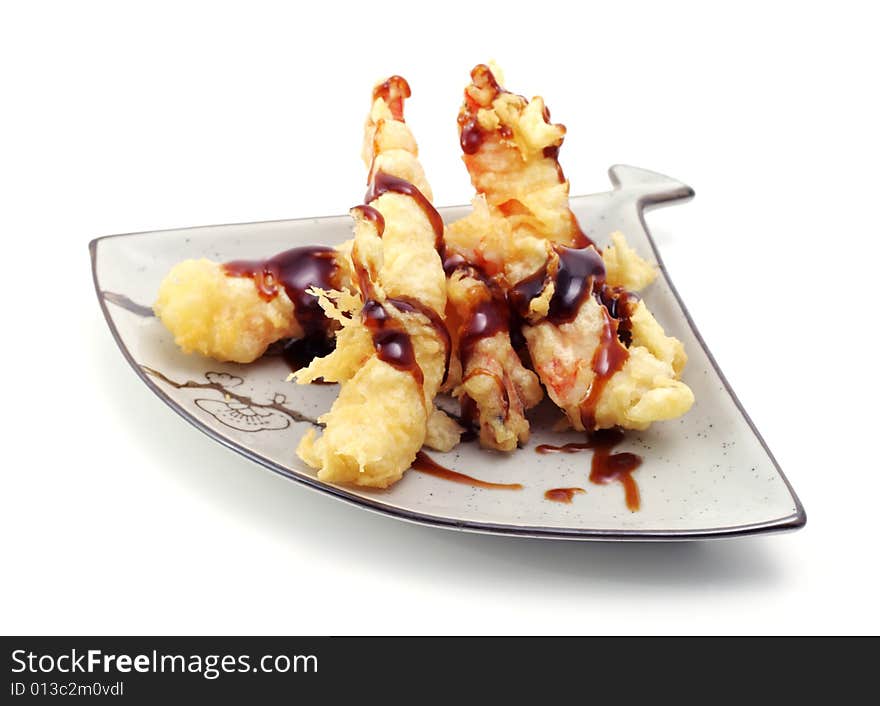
[{"x": 788, "y": 523}]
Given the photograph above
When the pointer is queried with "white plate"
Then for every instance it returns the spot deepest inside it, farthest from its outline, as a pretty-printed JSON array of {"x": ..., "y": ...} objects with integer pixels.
[{"x": 709, "y": 474}]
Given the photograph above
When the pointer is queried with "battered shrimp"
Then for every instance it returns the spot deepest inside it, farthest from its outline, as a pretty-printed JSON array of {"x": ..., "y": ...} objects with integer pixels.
[
  {"x": 496, "y": 388},
  {"x": 221, "y": 317},
  {"x": 234, "y": 311},
  {"x": 393, "y": 349},
  {"x": 596, "y": 380},
  {"x": 510, "y": 150},
  {"x": 603, "y": 358}
]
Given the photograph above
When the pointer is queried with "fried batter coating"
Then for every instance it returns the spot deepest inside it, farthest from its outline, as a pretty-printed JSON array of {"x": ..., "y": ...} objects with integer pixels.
[
  {"x": 385, "y": 410},
  {"x": 236, "y": 316},
  {"x": 354, "y": 345},
  {"x": 443, "y": 432},
  {"x": 510, "y": 150},
  {"x": 520, "y": 221},
  {"x": 648, "y": 333},
  {"x": 486, "y": 238},
  {"x": 389, "y": 145},
  {"x": 623, "y": 266},
  {"x": 496, "y": 388},
  {"x": 521, "y": 208},
  {"x": 378, "y": 423},
  {"x": 219, "y": 316},
  {"x": 644, "y": 390}
]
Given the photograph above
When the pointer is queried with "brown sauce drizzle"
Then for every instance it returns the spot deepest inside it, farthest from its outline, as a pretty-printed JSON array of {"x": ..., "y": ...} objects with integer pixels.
[
  {"x": 371, "y": 214},
  {"x": 379, "y": 321},
  {"x": 482, "y": 76},
  {"x": 551, "y": 152},
  {"x": 522, "y": 293},
  {"x": 571, "y": 448},
  {"x": 452, "y": 261},
  {"x": 486, "y": 319},
  {"x": 621, "y": 305},
  {"x": 393, "y": 91},
  {"x": 426, "y": 464},
  {"x": 619, "y": 302},
  {"x": 606, "y": 466},
  {"x": 563, "y": 495},
  {"x": 383, "y": 183},
  {"x": 609, "y": 357},
  {"x": 414, "y": 305},
  {"x": 580, "y": 270},
  {"x": 471, "y": 135},
  {"x": 296, "y": 271},
  {"x": 581, "y": 240},
  {"x": 393, "y": 345}
]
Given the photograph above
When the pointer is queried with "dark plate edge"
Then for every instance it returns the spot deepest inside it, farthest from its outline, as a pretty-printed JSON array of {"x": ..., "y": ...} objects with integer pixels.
[
  {"x": 784, "y": 524},
  {"x": 799, "y": 519}
]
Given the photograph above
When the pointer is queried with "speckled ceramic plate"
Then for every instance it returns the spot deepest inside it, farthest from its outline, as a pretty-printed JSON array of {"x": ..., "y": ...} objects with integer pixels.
[{"x": 706, "y": 475}]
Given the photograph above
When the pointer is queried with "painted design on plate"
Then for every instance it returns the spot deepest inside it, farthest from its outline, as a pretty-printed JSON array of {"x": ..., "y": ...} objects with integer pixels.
[
  {"x": 235, "y": 410},
  {"x": 126, "y": 303}
]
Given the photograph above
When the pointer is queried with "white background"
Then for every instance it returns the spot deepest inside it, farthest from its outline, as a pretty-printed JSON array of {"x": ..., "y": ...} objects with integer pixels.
[{"x": 118, "y": 517}]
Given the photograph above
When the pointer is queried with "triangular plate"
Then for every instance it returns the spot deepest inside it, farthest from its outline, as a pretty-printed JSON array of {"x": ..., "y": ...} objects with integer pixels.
[{"x": 706, "y": 475}]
